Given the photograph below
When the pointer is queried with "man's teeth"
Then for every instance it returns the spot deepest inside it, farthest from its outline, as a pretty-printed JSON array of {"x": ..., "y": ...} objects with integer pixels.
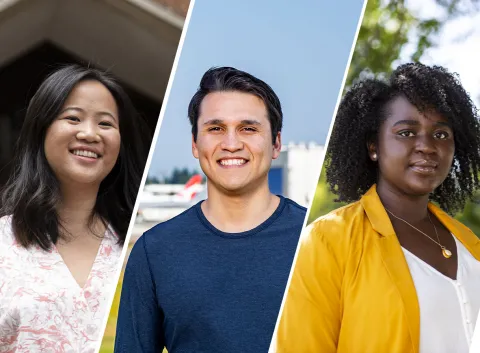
[
  {"x": 232, "y": 161},
  {"x": 85, "y": 154}
]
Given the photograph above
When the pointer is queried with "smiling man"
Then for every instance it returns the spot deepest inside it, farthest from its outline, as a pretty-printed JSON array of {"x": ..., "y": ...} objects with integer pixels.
[{"x": 212, "y": 279}]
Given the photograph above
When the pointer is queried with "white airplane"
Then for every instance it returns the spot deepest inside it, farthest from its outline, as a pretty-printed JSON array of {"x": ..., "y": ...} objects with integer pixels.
[{"x": 160, "y": 202}]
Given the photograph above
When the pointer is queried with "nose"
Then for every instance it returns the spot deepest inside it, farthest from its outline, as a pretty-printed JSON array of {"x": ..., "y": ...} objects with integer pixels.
[
  {"x": 425, "y": 144},
  {"x": 88, "y": 131},
  {"x": 231, "y": 142}
]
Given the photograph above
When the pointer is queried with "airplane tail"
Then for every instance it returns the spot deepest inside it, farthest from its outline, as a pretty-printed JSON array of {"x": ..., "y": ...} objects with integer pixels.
[{"x": 191, "y": 187}]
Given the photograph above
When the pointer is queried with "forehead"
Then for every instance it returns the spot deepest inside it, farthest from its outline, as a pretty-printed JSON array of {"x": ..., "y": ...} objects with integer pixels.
[
  {"x": 91, "y": 94},
  {"x": 232, "y": 106},
  {"x": 400, "y": 109}
]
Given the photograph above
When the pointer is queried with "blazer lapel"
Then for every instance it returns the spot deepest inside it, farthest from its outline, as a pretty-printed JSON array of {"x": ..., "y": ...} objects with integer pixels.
[
  {"x": 461, "y": 232},
  {"x": 395, "y": 262}
]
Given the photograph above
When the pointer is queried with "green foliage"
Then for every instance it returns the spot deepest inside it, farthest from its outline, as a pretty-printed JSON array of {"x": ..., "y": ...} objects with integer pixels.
[
  {"x": 323, "y": 201},
  {"x": 388, "y": 25},
  {"x": 178, "y": 176},
  {"x": 383, "y": 32},
  {"x": 152, "y": 180},
  {"x": 471, "y": 215}
]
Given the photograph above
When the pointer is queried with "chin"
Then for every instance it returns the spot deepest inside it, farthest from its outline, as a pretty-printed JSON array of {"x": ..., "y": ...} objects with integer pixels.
[
  {"x": 234, "y": 188},
  {"x": 85, "y": 179},
  {"x": 422, "y": 189}
]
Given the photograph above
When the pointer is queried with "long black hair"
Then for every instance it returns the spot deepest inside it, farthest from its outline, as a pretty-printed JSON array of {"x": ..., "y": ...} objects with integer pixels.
[
  {"x": 350, "y": 171},
  {"x": 32, "y": 191}
]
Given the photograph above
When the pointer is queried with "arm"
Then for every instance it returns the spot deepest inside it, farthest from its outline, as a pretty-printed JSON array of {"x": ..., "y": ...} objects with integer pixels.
[
  {"x": 311, "y": 316},
  {"x": 139, "y": 326}
]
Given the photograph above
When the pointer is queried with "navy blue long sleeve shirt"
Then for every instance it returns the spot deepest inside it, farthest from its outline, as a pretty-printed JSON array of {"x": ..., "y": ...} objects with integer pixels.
[{"x": 193, "y": 288}]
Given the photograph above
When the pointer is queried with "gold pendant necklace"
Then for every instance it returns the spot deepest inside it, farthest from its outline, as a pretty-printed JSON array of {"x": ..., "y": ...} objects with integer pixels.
[{"x": 445, "y": 252}]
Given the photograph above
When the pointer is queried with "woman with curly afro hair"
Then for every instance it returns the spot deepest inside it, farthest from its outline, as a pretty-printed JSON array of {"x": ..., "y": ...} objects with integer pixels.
[{"x": 392, "y": 271}]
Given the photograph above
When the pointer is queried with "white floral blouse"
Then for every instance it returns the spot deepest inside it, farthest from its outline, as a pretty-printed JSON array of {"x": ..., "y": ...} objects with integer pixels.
[{"x": 42, "y": 308}]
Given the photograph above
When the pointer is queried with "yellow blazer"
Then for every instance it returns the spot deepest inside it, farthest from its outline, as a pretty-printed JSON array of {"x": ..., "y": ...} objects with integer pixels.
[{"x": 351, "y": 290}]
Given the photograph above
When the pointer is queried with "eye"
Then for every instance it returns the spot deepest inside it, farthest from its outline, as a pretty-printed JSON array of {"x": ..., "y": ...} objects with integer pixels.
[
  {"x": 441, "y": 135},
  {"x": 214, "y": 128},
  {"x": 406, "y": 133},
  {"x": 249, "y": 128},
  {"x": 72, "y": 118},
  {"x": 106, "y": 123}
]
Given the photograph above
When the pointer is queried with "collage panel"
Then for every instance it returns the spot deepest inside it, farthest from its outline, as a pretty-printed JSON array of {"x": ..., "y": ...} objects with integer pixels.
[
  {"x": 235, "y": 163},
  {"x": 82, "y": 85},
  {"x": 390, "y": 258}
]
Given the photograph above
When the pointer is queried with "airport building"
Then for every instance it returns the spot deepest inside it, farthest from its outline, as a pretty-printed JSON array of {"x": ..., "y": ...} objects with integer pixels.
[{"x": 295, "y": 173}]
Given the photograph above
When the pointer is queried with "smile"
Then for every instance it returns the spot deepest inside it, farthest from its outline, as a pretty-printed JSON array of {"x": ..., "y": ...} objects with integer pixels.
[
  {"x": 84, "y": 153},
  {"x": 232, "y": 162}
]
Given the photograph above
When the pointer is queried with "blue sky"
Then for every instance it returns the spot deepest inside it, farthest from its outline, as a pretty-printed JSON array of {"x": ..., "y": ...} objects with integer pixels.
[{"x": 299, "y": 48}]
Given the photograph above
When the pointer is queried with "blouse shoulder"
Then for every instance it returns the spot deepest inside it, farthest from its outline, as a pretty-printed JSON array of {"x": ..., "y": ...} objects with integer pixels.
[{"x": 6, "y": 232}]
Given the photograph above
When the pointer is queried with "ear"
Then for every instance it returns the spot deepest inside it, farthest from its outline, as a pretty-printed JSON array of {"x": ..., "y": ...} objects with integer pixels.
[
  {"x": 194, "y": 147},
  {"x": 372, "y": 151},
  {"x": 277, "y": 146}
]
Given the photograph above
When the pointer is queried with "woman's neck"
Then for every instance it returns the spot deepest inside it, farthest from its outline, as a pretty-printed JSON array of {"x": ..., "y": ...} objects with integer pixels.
[
  {"x": 76, "y": 208},
  {"x": 408, "y": 207}
]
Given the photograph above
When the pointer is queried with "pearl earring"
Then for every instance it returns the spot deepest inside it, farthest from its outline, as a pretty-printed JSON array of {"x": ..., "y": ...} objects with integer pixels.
[{"x": 374, "y": 156}]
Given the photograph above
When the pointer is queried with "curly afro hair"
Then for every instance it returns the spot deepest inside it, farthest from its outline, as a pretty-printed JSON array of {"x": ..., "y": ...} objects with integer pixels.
[{"x": 350, "y": 172}]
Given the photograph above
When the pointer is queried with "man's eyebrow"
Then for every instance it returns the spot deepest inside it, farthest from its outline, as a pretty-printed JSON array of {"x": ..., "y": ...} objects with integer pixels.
[{"x": 214, "y": 121}]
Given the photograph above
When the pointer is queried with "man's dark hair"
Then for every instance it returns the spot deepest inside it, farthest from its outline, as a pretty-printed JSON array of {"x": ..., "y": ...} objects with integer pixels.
[{"x": 224, "y": 79}]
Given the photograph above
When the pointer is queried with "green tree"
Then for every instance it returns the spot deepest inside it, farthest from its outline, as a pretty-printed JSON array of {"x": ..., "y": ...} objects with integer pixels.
[
  {"x": 387, "y": 26},
  {"x": 324, "y": 200},
  {"x": 180, "y": 176},
  {"x": 152, "y": 180}
]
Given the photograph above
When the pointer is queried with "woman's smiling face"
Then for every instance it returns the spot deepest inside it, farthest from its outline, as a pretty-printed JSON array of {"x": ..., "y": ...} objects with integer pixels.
[{"x": 83, "y": 143}]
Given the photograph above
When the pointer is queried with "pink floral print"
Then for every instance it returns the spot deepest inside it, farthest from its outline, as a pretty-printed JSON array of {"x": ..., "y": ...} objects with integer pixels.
[{"x": 42, "y": 308}]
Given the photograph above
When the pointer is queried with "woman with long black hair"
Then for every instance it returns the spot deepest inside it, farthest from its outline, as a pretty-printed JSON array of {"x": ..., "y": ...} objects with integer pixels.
[
  {"x": 66, "y": 210},
  {"x": 392, "y": 271}
]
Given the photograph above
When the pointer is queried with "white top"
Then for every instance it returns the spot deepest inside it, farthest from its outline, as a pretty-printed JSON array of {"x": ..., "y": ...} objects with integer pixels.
[
  {"x": 475, "y": 347},
  {"x": 42, "y": 308},
  {"x": 448, "y": 308}
]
